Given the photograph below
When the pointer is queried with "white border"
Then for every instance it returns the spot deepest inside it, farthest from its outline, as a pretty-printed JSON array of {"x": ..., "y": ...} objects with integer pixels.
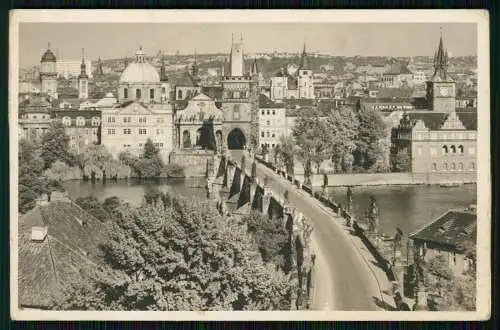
[{"x": 480, "y": 17}]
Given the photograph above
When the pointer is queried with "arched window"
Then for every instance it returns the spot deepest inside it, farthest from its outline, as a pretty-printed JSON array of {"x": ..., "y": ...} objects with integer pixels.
[
  {"x": 186, "y": 139},
  {"x": 461, "y": 149},
  {"x": 125, "y": 93},
  {"x": 138, "y": 93},
  {"x": 460, "y": 166},
  {"x": 151, "y": 93},
  {"x": 445, "y": 150},
  {"x": 453, "y": 150},
  {"x": 434, "y": 166},
  {"x": 80, "y": 121},
  {"x": 66, "y": 121},
  {"x": 453, "y": 167},
  {"x": 179, "y": 95},
  {"x": 445, "y": 166},
  {"x": 163, "y": 90},
  {"x": 472, "y": 166}
]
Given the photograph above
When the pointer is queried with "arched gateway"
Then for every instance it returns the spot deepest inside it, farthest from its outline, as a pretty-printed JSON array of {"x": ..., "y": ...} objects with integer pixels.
[{"x": 236, "y": 139}]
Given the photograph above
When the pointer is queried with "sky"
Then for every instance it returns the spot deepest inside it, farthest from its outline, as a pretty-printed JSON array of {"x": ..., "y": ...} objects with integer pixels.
[{"x": 116, "y": 40}]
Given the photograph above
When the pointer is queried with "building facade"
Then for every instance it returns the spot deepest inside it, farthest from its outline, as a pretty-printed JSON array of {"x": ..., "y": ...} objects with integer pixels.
[
  {"x": 141, "y": 112},
  {"x": 48, "y": 73},
  {"x": 83, "y": 127},
  {"x": 35, "y": 117},
  {"x": 272, "y": 122}
]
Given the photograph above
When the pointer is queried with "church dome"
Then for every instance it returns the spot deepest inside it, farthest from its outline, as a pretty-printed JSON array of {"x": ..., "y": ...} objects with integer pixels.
[
  {"x": 140, "y": 71},
  {"x": 48, "y": 56}
]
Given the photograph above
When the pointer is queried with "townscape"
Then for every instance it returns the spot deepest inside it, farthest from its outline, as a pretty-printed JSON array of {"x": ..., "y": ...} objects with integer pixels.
[{"x": 248, "y": 181}]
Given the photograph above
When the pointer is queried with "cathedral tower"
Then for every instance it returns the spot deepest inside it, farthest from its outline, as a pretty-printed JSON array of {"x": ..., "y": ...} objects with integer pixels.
[
  {"x": 305, "y": 77},
  {"x": 236, "y": 58},
  {"x": 441, "y": 87},
  {"x": 83, "y": 81},
  {"x": 48, "y": 73}
]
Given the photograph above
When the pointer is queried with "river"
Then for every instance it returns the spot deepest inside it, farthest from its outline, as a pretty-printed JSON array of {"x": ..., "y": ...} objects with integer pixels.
[{"x": 406, "y": 207}]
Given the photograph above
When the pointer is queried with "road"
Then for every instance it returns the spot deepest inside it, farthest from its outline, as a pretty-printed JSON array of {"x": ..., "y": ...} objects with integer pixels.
[{"x": 343, "y": 279}]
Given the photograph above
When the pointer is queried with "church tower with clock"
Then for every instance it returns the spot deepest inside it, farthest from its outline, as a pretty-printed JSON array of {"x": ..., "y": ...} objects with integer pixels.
[{"x": 441, "y": 87}]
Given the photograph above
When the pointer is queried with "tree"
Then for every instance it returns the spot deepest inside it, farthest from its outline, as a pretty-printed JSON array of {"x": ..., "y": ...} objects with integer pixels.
[
  {"x": 174, "y": 254},
  {"x": 342, "y": 126},
  {"x": 150, "y": 151},
  {"x": 92, "y": 205},
  {"x": 54, "y": 146},
  {"x": 286, "y": 153},
  {"x": 372, "y": 129}
]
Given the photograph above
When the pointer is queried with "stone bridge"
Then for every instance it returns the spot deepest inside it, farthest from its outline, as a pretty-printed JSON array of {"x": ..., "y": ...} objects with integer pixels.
[{"x": 236, "y": 191}]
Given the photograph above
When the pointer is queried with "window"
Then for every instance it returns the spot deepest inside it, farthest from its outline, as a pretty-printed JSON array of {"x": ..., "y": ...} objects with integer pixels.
[
  {"x": 262, "y": 112},
  {"x": 111, "y": 131},
  {"x": 267, "y": 112},
  {"x": 66, "y": 121},
  {"x": 80, "y": 121},
  {"x": 272, "y": 145},
  {"x": 262, "y": 134},
  {"x": 140, "y": 144},
  {"x": 460, "y": 166},
  {"x": 111, "y": 119},
  {"x": 127, "y": 119},
  {"x": 434, "y": 166},
  {"x": 472, "y": 150},
  {"x": 142, "y": 131},
  {"x": 125, "y": 93},
  {"x": 453, "y": 150},
  {"x": 445, "y": 150},
  {"x": 160, "y": 120},
  {"x": 445, "y": 166},
  {"x": 127, "y": 131},
  {"x": 142, "y": 119},
  {"x": 34, "y": 117},
  {"x": 179, "y": 95},
  {"x": 453, "y": 167},
  {"x": 268, "y": 123},
  {"x": 273, "y": 135},
  {"x": 267, "y": 133},
  {"x": 151, "y": 93},
  {"x": 138, "y": 93},
  {"x": 472, "y": 166},
  {"x": 236, "y": 112},
  {"x": 461, "y": 149},
  {"x": 96, "y": 121},
  {"x": 163, "y": 90},
  {"x": 274, "y": 112},
  {"x": 161, "y": 144}
]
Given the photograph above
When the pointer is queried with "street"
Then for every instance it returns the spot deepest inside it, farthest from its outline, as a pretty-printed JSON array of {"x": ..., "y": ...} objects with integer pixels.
[{"x": 343, "y": 280}]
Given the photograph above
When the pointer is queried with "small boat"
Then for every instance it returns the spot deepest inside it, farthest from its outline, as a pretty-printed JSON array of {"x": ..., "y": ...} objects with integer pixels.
[{"x": 450, "y": 184}]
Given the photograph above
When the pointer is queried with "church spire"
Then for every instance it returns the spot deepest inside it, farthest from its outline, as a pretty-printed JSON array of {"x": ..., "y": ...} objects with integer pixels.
[
  {"x": 441, "y": 61},
  {"x": 194, "y": 69},
  {"x": 83, "y": 67},
  {"x": 163, "y": 74},
  {"x": 253, "y": 70},
  {"x": 304, "y": 65}
]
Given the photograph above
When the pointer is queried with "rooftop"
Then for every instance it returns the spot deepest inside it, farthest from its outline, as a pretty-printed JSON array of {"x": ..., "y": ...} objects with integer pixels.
[{"x": 453, "y": 228}]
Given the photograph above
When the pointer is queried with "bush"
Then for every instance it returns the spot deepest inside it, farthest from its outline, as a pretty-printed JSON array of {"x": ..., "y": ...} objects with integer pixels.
[
  {"x": 173, "y": 170},
  {"x": 92, "y": 205},
  {"x": 60, "y": 171}
]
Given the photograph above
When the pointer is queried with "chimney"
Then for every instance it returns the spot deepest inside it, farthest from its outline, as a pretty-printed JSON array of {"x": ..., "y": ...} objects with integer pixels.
[{"x": 38, "y": 234}]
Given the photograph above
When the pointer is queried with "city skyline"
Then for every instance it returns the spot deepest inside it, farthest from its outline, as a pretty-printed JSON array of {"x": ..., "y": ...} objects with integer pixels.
[{"x": 118, "y": 40}]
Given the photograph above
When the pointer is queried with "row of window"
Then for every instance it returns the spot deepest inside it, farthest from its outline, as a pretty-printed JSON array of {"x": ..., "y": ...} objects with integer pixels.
[
  {"x": 94, "y": 132},
  {"x": 448, "y": 150},
  {"x": 268, "y": 134},
  {"x": 156, "y": 144},
  {"x": 452, "y": 167},
  {"x": 444, "y": 136},
  {"x": 36, "y": 117},
  {"x": 141, "y": 131},
  {"x": 80, "y": 121},
  {"x": 112, "y": 119},
  {"x": 138, "y": 93},
  {"x": 268, "y": 112}
]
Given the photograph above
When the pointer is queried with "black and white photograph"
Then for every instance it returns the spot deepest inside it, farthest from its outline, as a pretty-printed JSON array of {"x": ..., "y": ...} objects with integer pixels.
[{"x": 245, "y": 165}]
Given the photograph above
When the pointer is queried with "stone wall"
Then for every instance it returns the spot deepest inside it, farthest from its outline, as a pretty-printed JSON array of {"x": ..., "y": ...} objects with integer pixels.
[{"x": 193, "y": 161}]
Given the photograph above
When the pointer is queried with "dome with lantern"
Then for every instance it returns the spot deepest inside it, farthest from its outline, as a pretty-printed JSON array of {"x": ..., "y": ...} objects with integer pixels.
[
  {"x": 48, "y": 56},
  {"x": 139, "y": 71}
]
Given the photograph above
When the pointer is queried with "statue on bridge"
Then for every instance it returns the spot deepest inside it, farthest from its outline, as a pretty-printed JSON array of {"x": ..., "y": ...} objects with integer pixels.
[
  {"x": 349, "y": 199},
  {"x": 372, "y": 215}
]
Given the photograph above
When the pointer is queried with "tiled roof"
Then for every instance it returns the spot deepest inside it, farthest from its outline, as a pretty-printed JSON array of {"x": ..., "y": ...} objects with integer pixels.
[
  {"x": 453, "y": 228},
  {"x": 215, "y": 92},
  {"x": 265, "y": 102},
  {"x": 398, "y": 69},
  {"x": 434, "y": 120},
  {"x": 187, "y": 80},
  {"x": 35, "y": 103},
  {"x": 70, "y": 250}
]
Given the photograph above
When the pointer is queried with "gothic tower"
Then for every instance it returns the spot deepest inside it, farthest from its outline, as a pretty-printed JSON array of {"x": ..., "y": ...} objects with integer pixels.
[
  {"x": 441, "y": 87},
  {"x": 305, "y": 77},
  {"x": 48, "y": 73},
  {"x": 83, "y": 81},
  {"x": 236, "y": 58}
]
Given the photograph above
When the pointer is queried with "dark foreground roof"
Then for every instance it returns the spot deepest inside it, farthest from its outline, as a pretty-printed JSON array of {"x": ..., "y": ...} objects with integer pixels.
[
  {"x": 434, "y": 120},
  {"x": 69, "y": 252},
  {"x": 453, "y": 228}
]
